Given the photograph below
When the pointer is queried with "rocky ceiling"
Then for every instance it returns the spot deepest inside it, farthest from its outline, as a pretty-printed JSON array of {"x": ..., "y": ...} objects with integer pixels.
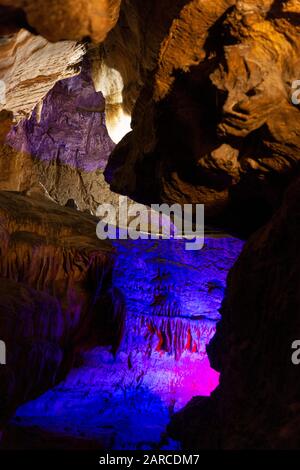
[
  {"x": 58, "y": 20},
  {"x": 31, "y": 66},
  {"x": 208, "y": 89},
  {"x": 214, "y": 121},
  {"x": 205, "y": 89}
]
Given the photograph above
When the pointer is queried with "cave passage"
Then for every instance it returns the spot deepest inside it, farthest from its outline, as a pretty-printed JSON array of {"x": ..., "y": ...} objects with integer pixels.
[
  {"x": 125, "y": 402},
  {"x": 172, "y": 296},
  {"x": 141, "y": 344}
]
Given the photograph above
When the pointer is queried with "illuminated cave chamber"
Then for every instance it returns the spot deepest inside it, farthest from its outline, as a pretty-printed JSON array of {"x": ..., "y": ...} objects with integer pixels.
[
  {"x": 172, "y": 299},
  {"x": 172, "y": 295},
  {"x": 206, "y": 87}
]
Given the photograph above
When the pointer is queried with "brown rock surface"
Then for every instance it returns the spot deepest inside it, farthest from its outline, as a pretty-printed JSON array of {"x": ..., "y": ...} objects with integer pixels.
[
  {"x": 209, "y": 88},
  {"x": 257, "y": 402},
  {"x": 56, "y": 294},
  {"x": 215, "y": 123},
  {"x": 69, "y": 19}
]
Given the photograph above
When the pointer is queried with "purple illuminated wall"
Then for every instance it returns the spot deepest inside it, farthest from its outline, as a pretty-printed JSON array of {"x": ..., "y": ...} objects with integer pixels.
[
  {"x": 125, "y": 402},
  {"x": 71, "y": 129}
]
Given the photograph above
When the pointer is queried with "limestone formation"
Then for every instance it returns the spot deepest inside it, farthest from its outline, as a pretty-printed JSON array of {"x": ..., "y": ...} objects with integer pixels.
[
  {"x": 176, "y": 101},
  {"x": 215, "y": 122},
  {"x": 210, "y": 100},
  {"x": 257, "y": 402},
  {"x": 67, "y": 19},
  {"x": 56, "y": 294},
  {"x": 30, "y": 66}
]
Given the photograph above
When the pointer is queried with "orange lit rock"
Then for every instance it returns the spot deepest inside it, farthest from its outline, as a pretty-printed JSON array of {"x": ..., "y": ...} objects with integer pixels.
[
  {"x": 69, "y": 19},
  {"x": 215, "y": 123}
]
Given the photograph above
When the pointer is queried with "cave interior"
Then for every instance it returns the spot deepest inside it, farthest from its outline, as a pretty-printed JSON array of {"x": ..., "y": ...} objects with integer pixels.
[{"x": 144, "y": 343}]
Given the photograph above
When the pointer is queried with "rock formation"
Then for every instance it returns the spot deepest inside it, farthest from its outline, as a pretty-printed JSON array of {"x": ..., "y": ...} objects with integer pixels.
[
  {"x": 56, "y": 294},
  {"x": 30, "y": 66},
  {"x": 197, "y": 95},
  {"x": 164, "y": 309},
  {"x": 215, "y": 122},
  {"x": 62, "y": 149},
  {"x": 191, "y": 61},
  {"x": 129, "y": 55},
  {"x": 257, "y": 402},
  {"x": 60, "y": 19},
  {"x": 125, "y": 400},
  {"x": 210, "y": 101}
]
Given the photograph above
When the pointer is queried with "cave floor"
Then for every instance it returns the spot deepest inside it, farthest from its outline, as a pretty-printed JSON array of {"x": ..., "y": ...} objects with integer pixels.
[{"x": 125, "y": 402}]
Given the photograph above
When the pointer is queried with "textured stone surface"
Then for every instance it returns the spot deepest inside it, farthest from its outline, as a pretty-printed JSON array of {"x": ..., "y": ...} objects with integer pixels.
[
  {"x": 215, "y": 123},
  {"x": 132, "y": 49},
  {"x": 173, "y": 295},
  {"x": 62, "y": 149},
  {"x": 209, "y": 90},
  {"x": 56, "y": 294},
  {"x": 208, "y": 86},
  {"x": 12, "y": 19},
  {"x": 30, "y": 66},
  {"x": 69, "y": 128},
  {"x": 126, "y": 401},
  {"x": 68, "y": 19},
  {"x": 257, "y": 402}
]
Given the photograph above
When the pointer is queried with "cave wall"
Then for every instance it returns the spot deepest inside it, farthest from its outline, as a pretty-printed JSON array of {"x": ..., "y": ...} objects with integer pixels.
[
  {"x": 212, "y": 117},
  {"x": 61, "y": 150},
  {"x": 56, "y": 294},
  {"x": 57, "y": 20},
  {"x": 30, "y": 66},
  {"x": 208, "y": 92},
  {"x": 257, "y": 402},
  {"x": 208, "y": 86},
  {"x": 214, "y": 123}
]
